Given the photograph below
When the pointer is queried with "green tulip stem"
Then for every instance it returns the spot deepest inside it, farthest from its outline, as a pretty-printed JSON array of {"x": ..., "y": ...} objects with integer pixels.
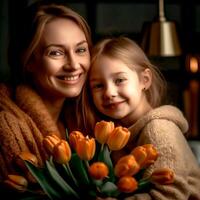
[
  {"x": 67, "y": 167},
  {"x": 143, "y": 182},
  {"x": 102, "y": 146},
  {"x": 87, "y": 164}
]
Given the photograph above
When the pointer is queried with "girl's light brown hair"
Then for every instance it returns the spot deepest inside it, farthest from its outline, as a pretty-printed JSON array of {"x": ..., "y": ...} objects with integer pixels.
[{"x": 129, "y": 52}]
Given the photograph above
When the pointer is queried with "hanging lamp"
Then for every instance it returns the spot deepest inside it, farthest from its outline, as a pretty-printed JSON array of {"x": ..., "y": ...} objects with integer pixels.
[{"x": 160, "y": 37}]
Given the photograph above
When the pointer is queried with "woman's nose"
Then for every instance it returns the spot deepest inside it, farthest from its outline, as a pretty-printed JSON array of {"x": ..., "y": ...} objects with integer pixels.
[{"x": 71, "y": 63}]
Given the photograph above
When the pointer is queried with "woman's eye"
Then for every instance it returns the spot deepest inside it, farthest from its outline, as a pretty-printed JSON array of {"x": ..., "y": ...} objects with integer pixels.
[
  {"x": 56, "y": 53},
  {"x": 81, "y": 50}
]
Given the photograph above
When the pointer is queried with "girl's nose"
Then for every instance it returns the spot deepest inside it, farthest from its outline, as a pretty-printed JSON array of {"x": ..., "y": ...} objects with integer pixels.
[{"x": 110, "y": 92}]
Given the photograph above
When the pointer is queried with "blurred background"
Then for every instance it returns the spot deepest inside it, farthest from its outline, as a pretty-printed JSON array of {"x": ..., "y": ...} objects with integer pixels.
[{"x": 168, "y": 31}]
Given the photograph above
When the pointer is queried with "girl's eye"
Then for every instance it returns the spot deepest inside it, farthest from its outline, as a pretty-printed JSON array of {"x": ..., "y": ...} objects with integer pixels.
[
  {"x": 119, "y": 80},
  {"x": 97, "y": 86}
]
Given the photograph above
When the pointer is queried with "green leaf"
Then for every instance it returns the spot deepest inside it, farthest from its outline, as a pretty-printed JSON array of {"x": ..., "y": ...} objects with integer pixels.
[
  {"x": 67, "y": 134},
  {"x": 104, "y": 156},
  {"x": 79, "y": 169},
  {"x": 67, "y": 170},
  {"x": 67, "y": 189},
  {"x": 109, "y": 189},
  {"x": 44, "y": 180}
]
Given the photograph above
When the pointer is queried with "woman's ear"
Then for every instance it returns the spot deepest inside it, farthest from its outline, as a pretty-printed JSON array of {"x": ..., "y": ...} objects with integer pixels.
[{"x": 146, "y": 78}]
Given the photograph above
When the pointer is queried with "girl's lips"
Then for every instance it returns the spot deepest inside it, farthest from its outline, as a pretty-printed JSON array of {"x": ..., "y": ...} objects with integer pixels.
[{"x": 113, "y": 105}]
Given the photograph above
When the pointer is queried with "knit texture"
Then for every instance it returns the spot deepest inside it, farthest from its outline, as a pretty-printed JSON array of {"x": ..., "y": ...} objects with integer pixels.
[
  {"x": 164, "y": 127},
  {"x": 24, "y": 121}
]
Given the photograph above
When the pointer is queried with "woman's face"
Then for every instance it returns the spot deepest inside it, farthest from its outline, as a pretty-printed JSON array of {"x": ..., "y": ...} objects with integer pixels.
[{"x": 61, "y": 60}]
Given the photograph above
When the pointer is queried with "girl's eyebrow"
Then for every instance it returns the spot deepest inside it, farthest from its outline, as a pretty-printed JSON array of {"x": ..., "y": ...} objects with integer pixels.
[{"x": 112, "y": 74}]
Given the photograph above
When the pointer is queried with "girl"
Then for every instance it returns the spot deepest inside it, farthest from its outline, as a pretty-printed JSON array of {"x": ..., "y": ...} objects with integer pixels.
[
  {"x": 126, "y": 88},
  {"x": 51, "y": 63}
]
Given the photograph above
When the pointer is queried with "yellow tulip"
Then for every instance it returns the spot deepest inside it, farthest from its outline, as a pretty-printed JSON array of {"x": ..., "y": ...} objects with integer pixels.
[
  {"x": 102, "y": 131},
  {"x": 98, "y": 170},
  {"x": 74, "y": 136},
  {"x": 162, "y": 176},
  {"x": 62, "y": 152},
  {"x": 127, "y": 184},
  {"x": 16, "y": 182},
  {"x": 25, "y": 156},
  {"x": 86, "y": 148},
  {"x": 126, "y": 166},
  {"x": 118, "y": 138},
  {"x": 50, "y": 141}
]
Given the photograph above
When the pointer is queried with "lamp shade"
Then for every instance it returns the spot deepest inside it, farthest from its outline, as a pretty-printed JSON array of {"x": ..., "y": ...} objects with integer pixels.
[{"x": 160, "y": 37}]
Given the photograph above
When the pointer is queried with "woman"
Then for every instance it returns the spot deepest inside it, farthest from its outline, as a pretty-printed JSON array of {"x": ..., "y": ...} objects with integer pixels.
[{"x": 54, "y": 60}]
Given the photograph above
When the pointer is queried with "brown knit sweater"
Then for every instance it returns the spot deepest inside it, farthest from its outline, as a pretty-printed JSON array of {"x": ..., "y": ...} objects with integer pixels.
[
  {"x": 24, "y": 121},
  {"x": 164, "y": 128}
]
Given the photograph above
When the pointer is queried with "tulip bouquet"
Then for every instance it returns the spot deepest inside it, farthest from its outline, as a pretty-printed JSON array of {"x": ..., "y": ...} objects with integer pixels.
[{"x": 81, "y": 166}]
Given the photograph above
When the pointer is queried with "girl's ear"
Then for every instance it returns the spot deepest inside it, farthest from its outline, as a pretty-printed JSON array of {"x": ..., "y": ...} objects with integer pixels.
[{"x": 146, "y": 78}]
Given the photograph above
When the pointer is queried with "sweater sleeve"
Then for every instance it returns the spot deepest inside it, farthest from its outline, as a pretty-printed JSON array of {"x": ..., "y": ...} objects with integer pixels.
[
  {"x": 174, "y": 153},
  {"x": 15, "y": 136}
]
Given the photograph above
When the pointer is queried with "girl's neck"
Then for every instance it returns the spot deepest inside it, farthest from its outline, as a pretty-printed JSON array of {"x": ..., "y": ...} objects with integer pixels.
[{"x": 134, "y": 117}]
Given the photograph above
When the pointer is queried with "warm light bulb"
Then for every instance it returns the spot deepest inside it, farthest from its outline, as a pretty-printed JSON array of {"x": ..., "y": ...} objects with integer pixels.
[{"x": 193, "y": 64}]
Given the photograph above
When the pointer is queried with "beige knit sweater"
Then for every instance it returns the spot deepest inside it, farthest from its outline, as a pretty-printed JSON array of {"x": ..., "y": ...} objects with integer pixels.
[
  {"x": 24, "y": 121},
  {"x": 164, "y": 128}
]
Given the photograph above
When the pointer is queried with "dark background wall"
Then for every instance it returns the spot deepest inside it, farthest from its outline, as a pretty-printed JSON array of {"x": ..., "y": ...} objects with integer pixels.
[{"x": 127, "y": 17}]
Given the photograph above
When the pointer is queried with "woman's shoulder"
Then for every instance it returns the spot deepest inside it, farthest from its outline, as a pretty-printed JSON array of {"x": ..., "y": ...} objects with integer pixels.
[{"x": 6, "y": 89}]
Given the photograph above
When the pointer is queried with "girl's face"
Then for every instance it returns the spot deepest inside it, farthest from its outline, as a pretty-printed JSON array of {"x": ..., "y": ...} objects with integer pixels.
[
  {"x": 61, "y": 60},
  {"x": 117, "y": 91}
]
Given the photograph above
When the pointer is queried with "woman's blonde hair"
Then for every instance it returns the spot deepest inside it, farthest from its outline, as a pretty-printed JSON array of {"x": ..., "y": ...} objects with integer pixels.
[
  {"x": 46, "y": 14},
  {"x": 32, "y": 28},
  {"x": 132, "y": 55}
]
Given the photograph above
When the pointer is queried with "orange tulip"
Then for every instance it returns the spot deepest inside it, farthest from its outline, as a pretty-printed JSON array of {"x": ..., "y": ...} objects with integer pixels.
[
  {"x": 98, "y": 170},
  {"x": 152, "y": 154},
  {"x": 50, "y": 141},
  {"x": 86, "y": 148},
  {"x": 118, "y": 138},
  {"x": 127, "y": 184},
  {"x": 16, "y": 182},
  {"x": 62, "y": 152},
  {"x": 74, "y": 136},
  {"x": 25, "y": 155},
  {"x": 102, "y": 131},
  {"x": 162, "y": 176},
  {"x": 126, "y": 166},
  {"x": 140, "y": 155}
]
